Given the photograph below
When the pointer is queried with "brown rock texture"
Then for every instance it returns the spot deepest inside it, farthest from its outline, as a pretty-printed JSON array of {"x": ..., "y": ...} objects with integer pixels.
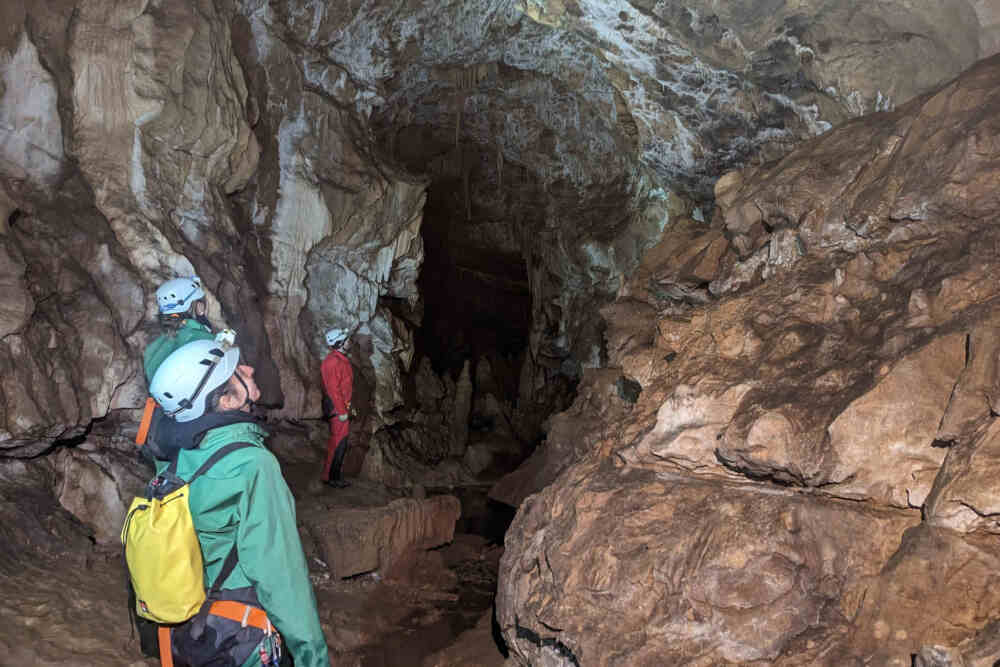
[
  {"x": 938, "y": 587},
  {"x": 965, "y": 493},
  {"x": 355, "y": 540},
  {"x": 983, "y": 650},
  {"x": 619, "y": 566},
  {"x": 838, "y": 347},
  {"x": 473, "y": 647}
]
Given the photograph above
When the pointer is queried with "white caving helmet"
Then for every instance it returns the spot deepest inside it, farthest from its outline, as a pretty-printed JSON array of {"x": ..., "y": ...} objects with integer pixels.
[
  {"x": 189, "y": 374},
  {"x": 176, "y": 295},
  {"x": 335, "y": 337}
]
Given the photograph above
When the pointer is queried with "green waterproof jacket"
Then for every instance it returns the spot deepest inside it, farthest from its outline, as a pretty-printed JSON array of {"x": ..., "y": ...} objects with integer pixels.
[
  {"x": 243, "y": 498},
  {"x": 157, "y": 351}
]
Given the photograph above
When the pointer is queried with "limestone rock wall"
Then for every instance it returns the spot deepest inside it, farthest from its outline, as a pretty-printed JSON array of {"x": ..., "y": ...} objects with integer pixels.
[
  {"x": 141, "y": 141},
  {"x": 826, "y": 336}
]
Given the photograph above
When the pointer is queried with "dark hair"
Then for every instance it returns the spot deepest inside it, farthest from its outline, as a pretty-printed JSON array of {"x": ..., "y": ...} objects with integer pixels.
[
  {"x": 214, "y": 396},
  {"x": 172, "y": 321}
]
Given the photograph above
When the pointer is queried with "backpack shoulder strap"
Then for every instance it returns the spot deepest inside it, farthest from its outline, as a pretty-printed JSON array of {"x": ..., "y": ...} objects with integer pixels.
[
  {"x": 227, "y": 568},
  {"x": 214, "y": 458},
  {"x": 233, "y": 557}
]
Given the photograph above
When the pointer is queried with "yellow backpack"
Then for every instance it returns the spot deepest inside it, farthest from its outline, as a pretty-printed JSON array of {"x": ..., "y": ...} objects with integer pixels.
[{"x": 161, "y": 546}]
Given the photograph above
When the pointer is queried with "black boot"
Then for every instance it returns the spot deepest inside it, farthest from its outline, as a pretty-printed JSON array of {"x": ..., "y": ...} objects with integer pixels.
[{"x": 336, "y": 481}]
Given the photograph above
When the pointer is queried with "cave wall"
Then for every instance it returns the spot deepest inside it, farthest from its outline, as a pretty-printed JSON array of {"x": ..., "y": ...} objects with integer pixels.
[
  {"x": 826, "y": 344},
  {"x": 133, "y": 151}
]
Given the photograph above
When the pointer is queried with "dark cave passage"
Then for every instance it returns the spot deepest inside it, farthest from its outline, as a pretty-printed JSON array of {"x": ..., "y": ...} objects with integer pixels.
[
  {"x": 497, "y": 283},
  {"x": 477, "y": 300}
]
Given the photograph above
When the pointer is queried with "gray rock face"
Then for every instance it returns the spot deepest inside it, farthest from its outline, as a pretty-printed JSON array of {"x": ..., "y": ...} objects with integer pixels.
[
  {"x": 31, "y": 138},
  {"x": 98, "y": 486}
]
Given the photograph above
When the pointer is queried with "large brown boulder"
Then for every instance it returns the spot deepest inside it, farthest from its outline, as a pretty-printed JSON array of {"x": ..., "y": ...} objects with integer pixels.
[{"x": 610, "y": 563}]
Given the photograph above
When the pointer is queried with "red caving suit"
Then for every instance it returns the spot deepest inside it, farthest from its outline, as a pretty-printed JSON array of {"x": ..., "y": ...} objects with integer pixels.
[{"x": 338, "y": 380}]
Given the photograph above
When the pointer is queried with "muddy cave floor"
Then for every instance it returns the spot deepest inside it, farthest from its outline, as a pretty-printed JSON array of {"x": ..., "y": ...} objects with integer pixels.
[{"x": 65, "y": 599}]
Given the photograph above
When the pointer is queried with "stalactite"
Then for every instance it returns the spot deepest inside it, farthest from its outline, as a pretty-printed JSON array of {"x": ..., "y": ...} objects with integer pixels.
[
  {"x": 460, "y": 104},
  {"x": 465, "y": 187},
  {"x": 499, "y": 167},
  {"x": 469, "y": 77}
]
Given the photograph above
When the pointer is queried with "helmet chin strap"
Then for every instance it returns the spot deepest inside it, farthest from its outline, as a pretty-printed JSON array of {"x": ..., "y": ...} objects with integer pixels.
[{"x": 246, "y": 389}]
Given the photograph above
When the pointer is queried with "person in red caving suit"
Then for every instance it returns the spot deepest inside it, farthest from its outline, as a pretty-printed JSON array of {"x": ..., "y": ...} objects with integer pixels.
[{"x": 338, "y": 382}]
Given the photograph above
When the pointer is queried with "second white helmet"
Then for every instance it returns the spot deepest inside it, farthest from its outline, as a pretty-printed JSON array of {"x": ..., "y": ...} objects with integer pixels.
[
  {"x": 336, "y": 336},
  {"x": 188, "y": 376},
  {"x": 178, "y": 294}
]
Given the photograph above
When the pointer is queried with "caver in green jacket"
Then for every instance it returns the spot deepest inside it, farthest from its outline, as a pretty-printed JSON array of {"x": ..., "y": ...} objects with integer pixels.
[
  {"x": 160, "y": 349},
  {"x": 244, "y": 498}
]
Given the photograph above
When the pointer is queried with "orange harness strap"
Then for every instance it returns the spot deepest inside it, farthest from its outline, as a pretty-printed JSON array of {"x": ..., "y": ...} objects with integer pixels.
[
  {"x": 241, "y": 613},
  {"x": 147, "y": 418},
  {"x": 166, "y": 654}
]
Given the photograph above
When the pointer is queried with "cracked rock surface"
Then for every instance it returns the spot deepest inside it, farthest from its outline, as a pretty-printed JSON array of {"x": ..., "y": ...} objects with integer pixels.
[{"x": 857, "y": 365}]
